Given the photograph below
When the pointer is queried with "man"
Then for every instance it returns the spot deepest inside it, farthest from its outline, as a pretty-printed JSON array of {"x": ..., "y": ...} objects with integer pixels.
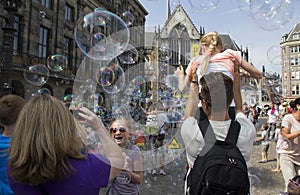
[
  {"x": 10, "y": 107},
  {"x": 216, "y": 95}
]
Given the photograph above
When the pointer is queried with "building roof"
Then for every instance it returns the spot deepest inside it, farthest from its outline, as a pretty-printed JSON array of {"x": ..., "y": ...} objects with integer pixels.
[
  {"x": 228, "y": 42},
  {"x": 180, "y": 9},
  {"x": 295, "y": 29}
]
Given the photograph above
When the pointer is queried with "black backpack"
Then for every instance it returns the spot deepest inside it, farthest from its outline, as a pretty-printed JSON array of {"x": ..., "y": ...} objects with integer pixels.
[{"x": 220, "y": 167}]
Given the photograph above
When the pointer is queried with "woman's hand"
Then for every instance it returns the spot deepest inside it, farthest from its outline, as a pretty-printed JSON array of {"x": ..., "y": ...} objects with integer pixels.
[
  {"x": 293, "y": 187},
  {"x": 87, "y": 117}
]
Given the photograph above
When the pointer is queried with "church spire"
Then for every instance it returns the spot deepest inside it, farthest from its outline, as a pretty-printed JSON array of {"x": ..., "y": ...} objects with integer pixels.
[{"x": 168, "y": 9}]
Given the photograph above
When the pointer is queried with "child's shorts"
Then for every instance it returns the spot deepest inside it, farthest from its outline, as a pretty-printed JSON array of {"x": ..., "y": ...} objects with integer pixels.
[{"x": 265, "y": 148}]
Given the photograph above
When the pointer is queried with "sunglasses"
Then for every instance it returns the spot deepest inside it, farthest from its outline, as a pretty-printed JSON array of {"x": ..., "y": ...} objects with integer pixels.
[{"x": 114, "y": 130}]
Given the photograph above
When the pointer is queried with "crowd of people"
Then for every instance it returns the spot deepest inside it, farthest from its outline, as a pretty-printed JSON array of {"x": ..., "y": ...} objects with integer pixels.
[{"x": 44, "y": 145}]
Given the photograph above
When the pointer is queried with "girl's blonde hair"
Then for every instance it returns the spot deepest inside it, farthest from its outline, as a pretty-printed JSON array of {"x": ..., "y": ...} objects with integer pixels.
[
  {"x": 45, "y": 138},
  {"x": 213, "y": 42}
]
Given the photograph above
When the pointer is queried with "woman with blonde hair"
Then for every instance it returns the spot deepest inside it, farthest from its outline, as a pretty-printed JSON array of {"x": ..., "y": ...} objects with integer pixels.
[
  {"x": 48, "y": 154},
  {"x": 132, "y": 174},
  {"x": 212, "y": 59}
]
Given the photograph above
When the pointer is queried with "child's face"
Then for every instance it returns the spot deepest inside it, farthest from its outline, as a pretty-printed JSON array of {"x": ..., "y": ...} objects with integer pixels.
[{"x": 119, "y": 131}]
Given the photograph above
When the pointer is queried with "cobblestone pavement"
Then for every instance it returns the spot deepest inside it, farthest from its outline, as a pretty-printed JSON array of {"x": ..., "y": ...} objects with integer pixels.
[{"x": 264, "y": 181}]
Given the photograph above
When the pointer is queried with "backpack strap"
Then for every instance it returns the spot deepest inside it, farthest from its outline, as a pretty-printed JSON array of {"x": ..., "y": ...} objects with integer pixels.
[
  {"x": 233, "y": 132},
  {"x": 210, "y": 138}
]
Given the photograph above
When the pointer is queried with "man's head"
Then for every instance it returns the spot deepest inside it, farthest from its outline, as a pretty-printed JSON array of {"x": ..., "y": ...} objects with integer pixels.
[
  {"x": 216, "y": 91},
  {"x": 10, "y": 107}
]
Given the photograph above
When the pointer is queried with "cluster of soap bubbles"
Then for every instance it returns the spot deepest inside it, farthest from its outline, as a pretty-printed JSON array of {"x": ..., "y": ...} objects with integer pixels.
[
  {"x": 38, "y": 74},
  {"x": 164, "y": 53},
  {"x": 268, "y": 15}
]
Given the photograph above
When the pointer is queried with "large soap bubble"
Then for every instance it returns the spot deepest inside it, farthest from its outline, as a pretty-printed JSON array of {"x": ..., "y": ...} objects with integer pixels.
[
  {"x": 273, "y": 14},
  {"x": 101, "y": 35}
]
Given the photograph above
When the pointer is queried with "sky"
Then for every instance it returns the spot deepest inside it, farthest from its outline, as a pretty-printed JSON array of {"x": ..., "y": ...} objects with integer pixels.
[{"x": 234, "y": 17}]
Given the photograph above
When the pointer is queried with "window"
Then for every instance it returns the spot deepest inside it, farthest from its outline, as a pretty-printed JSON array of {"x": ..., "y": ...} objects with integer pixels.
[
  {"x": 17, "y": 36},
  {"x": 295, "y": 36},
  {"x": 43, "y": 42},
  {"x": 173, "y": 43},
  {"x": 292, "y": 75},
  {"x": 46, "y": 3},
  {"x": 295, "y": 89},
  {"x": 295, "y": 61},
  {"x": 292, "y": 61},
  {"x": 68, "y": 44},
  {"x": 185, "y": 47},
  {"x": 297, "y": 75},
  {"x": 69, "y": 13}
]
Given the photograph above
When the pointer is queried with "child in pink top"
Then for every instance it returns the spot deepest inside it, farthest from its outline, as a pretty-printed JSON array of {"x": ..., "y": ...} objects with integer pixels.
[
  {"x": 213, "y": 60},
  {"x": 225, "y": 59}
]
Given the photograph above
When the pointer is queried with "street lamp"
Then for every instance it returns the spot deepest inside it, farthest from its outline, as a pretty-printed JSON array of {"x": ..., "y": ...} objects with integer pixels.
[{"x": 11, "y": 7}]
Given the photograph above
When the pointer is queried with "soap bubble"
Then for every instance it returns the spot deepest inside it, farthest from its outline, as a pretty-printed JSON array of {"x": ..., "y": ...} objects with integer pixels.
[
  {"x": 101, "y": 35},
  {"x": 129, "y": 56},
  {"x": 57, "y": 63},
  {"x": 204, "y": 5},
  {"x": 128, "y": 18},
  {"x": 273, "y": 14},
  {"x": 36, "y": 75},
  {"x": 274, "y": 55},
  {"x": 44, "y": 91},
  {"x": 111, "y": 78},
  {"x": 243, "y": 6}
]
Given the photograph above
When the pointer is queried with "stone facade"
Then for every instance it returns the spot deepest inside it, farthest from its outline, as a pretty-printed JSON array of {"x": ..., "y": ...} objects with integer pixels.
[
  {"x": 56, "y": 19},
  {"x": 290, "y": 62}
]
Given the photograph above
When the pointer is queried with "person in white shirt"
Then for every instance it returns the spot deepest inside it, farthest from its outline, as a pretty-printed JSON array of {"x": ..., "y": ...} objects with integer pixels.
[
  {"x": 216, "y": 95},
  {"x": 157, "y": 130},
  {"x": 273, "y": 116}
]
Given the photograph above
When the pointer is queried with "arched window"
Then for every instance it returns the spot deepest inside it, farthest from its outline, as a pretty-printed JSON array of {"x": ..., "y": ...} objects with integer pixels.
[
  {"x": 185, "y": 47},
  {"x": 179, "y": 43},
  {"x": 173, "y": 45}
]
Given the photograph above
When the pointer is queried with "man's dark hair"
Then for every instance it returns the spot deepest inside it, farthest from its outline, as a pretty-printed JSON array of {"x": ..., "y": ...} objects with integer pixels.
[{"x": 217, "y": 90}]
